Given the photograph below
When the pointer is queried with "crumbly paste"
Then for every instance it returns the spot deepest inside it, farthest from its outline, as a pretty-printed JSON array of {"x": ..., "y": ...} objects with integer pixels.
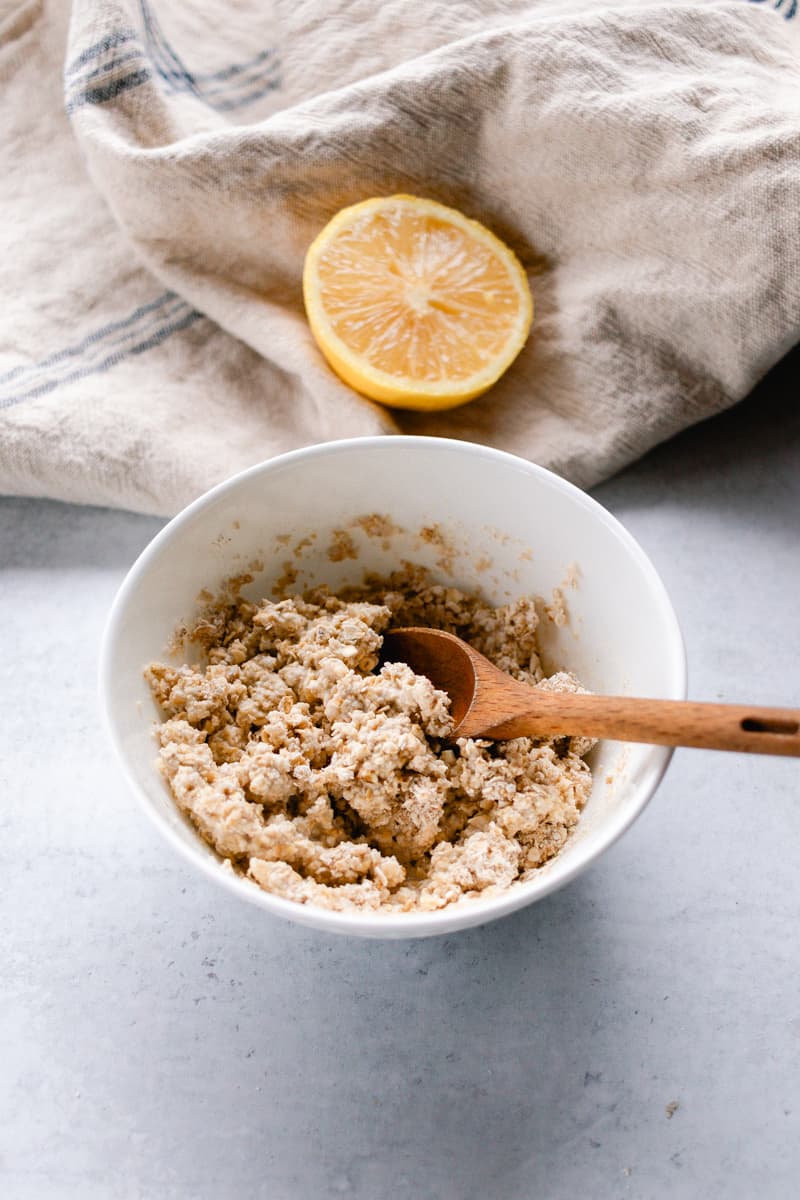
[{"x": 329, "y": 781}]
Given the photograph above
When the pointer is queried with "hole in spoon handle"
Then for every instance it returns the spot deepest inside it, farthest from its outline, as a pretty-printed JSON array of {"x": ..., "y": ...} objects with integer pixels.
[{"x": 769, "y": 725}]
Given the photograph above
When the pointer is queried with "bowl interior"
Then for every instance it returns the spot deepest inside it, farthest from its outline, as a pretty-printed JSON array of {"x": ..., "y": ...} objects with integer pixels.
[{"x": 478, "y": 519}]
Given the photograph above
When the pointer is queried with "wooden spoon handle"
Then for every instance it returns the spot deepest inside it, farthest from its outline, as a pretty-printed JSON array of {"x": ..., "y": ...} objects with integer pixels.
[{"x": 662, "y": 722}]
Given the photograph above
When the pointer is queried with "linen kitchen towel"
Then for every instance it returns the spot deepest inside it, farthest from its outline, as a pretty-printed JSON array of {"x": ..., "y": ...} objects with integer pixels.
[{"x": 167, "y": 165}]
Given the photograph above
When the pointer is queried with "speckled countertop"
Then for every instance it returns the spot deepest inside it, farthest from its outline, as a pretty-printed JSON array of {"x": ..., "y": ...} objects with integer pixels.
[{"x": 635, "y": 1035}]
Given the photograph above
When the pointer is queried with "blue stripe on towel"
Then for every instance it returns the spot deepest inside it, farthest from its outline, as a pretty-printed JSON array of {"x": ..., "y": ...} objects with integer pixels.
[
  {"x": 209, "y": 87},
  {"x": 228, "y": 81},
  {"x": 226, "y": 78},
  {"x": 96, "y": 336},
  {"x": 161, "y": 52},
  {"x": 104, "y": 68},
  {"x": 227, "y": 72},
  {"x": 102, "y": 346},
  {"x": 250, "y": 98},
  {"x": 98, "y": 352},
  {"x": 225, "y": 89},
  {"x": 118, "y": 38},
  {"x": 787, "y": 8},
  {"x": 102, "y": 93}
]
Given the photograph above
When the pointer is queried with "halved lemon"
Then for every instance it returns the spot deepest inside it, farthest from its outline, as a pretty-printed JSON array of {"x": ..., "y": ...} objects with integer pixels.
[{"x": 414, "y": 304}]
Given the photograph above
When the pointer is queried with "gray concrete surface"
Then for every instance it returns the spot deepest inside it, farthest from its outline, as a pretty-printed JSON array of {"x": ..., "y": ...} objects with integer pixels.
[{"x": 160, "y": 1040}]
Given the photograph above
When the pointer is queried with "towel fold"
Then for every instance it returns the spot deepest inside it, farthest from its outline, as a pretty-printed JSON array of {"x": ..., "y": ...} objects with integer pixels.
[{"x": 166, "y": 167}]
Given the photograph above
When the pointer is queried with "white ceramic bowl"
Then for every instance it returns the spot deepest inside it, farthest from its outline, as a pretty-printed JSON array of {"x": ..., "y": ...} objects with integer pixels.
[{"x": 515, "y": 529}]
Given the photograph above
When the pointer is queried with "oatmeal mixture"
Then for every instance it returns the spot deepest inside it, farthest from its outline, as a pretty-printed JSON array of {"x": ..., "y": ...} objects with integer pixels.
[{"x": 329, "y": 780}]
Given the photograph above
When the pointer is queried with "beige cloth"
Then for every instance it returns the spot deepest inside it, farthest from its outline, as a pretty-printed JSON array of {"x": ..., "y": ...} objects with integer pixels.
[{"x": 643, "y": 159}]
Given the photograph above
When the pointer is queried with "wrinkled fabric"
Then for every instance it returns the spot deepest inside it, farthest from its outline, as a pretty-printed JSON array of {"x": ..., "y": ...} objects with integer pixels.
[{"x": 166, "y": 167}]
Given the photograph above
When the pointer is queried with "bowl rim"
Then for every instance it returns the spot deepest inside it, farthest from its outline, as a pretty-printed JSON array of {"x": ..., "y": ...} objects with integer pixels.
[{"x": 376, "y": 924}]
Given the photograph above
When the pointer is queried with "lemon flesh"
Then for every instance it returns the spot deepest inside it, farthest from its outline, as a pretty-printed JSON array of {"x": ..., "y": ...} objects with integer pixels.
[{"x": 413, "y": 304}]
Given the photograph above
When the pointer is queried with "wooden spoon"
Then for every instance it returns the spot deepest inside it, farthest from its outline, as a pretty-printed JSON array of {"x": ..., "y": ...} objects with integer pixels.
[{"x": 487, "y": 703}]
